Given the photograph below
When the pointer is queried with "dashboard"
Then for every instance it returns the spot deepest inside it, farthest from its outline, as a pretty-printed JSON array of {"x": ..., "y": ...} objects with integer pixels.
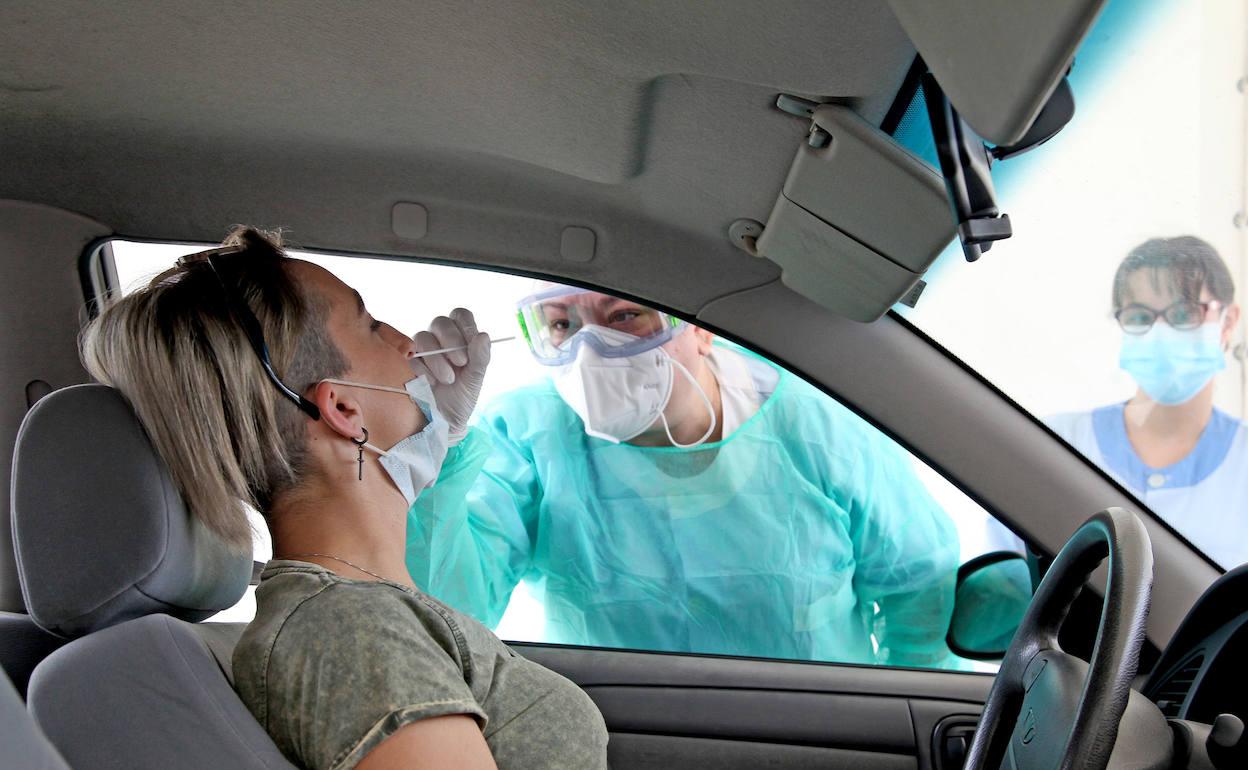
[{"x": 1204, "y": 670}]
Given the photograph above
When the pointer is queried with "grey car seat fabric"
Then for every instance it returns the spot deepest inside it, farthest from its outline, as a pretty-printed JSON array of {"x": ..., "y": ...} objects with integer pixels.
[
  {"x": 25, "y": 746},
  {"x": 99, "y": 530},
  {"x": 104, "y": 543},
  {"x": 22, "y": 645},
  {"x": 147, "y": 694}
]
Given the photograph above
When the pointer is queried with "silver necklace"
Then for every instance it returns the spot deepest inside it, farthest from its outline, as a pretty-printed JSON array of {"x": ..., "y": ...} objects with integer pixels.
[{"x": 335, "y": 558}]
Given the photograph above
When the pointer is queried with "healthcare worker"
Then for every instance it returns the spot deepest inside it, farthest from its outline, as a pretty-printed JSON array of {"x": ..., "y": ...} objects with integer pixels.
[
  {"x": 1185, "y": 459},
  {"x": 669, "y": 492}
]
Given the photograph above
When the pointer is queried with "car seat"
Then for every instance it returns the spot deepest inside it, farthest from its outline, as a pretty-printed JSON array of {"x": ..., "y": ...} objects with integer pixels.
[
  {"x": 25, "y": 746},
  {"x": 108, "y": 556},
  {"x": 22, "y": 642},
  {"x": 22, "y": 645}
]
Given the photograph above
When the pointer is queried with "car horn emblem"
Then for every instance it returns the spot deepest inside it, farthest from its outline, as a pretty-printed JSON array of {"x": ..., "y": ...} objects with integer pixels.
[{"x": 1029, "y": 726}]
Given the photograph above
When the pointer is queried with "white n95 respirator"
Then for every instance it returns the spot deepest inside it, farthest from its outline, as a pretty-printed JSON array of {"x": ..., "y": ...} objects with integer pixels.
[{"x": 619, "y": 397}]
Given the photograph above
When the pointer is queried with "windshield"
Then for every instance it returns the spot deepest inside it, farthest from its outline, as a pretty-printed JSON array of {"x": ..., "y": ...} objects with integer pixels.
[{"x": 1113, "y": 313}]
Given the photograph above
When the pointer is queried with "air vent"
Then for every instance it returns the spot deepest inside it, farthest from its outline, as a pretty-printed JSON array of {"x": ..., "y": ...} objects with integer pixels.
[{"x": 1173, "y": 692}]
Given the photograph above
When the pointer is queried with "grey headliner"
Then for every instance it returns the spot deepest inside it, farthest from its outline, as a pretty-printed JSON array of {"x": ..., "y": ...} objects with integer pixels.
[{"x": 649, "y": 121}]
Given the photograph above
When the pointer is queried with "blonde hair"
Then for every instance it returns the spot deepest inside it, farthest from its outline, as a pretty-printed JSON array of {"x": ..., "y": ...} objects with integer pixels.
[{"x": 182, "y": 359}]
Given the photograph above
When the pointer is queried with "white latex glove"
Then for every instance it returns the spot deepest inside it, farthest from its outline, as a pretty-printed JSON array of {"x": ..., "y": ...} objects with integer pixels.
[{"x": 455, "y": 376}]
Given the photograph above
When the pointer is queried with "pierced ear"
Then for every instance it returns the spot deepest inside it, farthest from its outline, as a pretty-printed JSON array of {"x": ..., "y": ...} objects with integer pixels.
[{"x": 339, "y": 411}]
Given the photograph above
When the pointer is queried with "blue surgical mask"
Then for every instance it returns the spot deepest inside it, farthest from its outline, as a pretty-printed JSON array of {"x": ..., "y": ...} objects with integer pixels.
[
  {"x": 413, "y": 464},
  {"x": 1170, "y": 365}
]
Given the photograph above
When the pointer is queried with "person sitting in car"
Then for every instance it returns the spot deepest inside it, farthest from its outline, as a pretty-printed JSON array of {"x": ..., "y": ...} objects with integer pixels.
[{"x": 264, "y": 380}]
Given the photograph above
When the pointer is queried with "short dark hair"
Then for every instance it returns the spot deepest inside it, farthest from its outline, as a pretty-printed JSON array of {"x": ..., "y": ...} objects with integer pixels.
[{"x": 1185, "y": 264}]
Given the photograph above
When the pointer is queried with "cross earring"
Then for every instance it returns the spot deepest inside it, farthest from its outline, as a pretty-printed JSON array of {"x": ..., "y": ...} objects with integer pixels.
[{"x": 359, "y": 443}]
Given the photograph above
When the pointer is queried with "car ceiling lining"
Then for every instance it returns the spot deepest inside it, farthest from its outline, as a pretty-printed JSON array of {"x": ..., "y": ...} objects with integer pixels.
[{"x": 650, "y": 123}]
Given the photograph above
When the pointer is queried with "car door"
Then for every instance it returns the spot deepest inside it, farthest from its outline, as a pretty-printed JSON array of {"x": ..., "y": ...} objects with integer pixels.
[
  {"x": 665, "y": 710},
  {"x": 787, "y": 697}
]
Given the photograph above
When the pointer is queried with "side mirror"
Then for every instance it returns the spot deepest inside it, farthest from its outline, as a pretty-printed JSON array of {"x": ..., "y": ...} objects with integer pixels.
[{"x": 992, "y": 595}]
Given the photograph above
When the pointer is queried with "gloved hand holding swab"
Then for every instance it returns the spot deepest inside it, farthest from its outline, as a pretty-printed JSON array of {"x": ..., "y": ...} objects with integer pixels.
[
  {"x": 459, "y": 347},
  {"x": 456, "y": 367}
]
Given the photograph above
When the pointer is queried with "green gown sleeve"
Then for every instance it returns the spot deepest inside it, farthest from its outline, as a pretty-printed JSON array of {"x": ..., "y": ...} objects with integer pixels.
[
  {"x": 470, "y": 535},
  {"x": 906, "y": 548}
]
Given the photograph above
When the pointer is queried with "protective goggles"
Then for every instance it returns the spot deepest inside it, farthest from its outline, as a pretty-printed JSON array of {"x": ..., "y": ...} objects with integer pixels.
[{"x": 553, "y": 324}]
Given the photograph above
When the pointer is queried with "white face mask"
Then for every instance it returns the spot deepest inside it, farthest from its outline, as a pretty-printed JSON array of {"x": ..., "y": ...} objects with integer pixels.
[
  {"x": 413, "y": 463},
  {"x": 618, "y": 398}
]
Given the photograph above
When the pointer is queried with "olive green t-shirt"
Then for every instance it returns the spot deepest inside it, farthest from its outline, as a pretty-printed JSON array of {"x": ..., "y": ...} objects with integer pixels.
[{"x": 331, "y": 667}]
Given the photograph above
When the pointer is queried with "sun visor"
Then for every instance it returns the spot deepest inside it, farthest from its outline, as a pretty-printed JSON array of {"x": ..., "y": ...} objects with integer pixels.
[
  {"x": 997, "y": 62},
  {"x": 859, "y": 219}
]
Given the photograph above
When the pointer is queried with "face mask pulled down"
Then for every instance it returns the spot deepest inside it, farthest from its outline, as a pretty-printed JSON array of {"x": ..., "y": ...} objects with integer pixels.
[
  {"x": 413, "y": 463},
  {"x": 618, "y": 398},
  {"x": 1171, "y": 365}
]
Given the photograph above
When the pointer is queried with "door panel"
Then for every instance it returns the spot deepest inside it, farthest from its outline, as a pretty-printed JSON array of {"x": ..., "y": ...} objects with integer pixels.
[
  {"x": 667, "y": 710},
  {"x": 807, "y": 718},
  {"x": 662, "y": 752}
]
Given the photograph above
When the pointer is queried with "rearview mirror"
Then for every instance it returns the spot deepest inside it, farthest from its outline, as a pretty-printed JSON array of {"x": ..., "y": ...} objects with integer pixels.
[{"x": 992, "y": 595}]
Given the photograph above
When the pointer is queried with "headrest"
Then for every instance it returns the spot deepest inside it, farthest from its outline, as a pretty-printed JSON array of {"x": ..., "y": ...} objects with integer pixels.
[{"x": 100, "y": 532}]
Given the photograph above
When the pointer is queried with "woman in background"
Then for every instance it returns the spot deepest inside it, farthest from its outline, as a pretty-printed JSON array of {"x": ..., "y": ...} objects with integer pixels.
[{"x": 1184, "y": 458}]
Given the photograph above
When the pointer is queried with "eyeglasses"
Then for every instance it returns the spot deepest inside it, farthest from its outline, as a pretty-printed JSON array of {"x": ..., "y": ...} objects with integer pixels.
[
  {"x": 1183, "y": 315},
  {"x": 251, "y": 326}
]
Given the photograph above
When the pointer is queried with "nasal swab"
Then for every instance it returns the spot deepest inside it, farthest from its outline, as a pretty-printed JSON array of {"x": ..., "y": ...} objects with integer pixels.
[{"x": 460, "y": 347}]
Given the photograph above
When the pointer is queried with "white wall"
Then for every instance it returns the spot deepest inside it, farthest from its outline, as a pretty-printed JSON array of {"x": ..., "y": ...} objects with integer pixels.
[{"x": 1157, "y": 148}]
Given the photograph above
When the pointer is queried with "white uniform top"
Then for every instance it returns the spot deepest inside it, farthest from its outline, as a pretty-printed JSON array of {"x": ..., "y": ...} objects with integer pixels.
[{"x": 1204, "y": 496}]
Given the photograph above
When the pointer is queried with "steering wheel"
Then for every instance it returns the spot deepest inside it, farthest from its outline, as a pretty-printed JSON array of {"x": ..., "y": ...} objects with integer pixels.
[{"x": 1047, "y": 708}]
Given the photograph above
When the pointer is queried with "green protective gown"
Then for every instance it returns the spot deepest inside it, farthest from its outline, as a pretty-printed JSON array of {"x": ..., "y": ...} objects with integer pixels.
[{"x": 778, "y": 541}]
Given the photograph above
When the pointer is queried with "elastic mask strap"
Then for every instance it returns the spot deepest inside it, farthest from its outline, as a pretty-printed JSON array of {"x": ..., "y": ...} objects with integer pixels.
[
  {"x": 709, "y": 408},
  {"x": 402, "y": 391},
  {"x": 387, "y": 388}
]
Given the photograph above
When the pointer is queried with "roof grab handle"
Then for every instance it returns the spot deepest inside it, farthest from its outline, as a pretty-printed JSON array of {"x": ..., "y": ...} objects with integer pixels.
[{"x": 858, "y": 220}]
